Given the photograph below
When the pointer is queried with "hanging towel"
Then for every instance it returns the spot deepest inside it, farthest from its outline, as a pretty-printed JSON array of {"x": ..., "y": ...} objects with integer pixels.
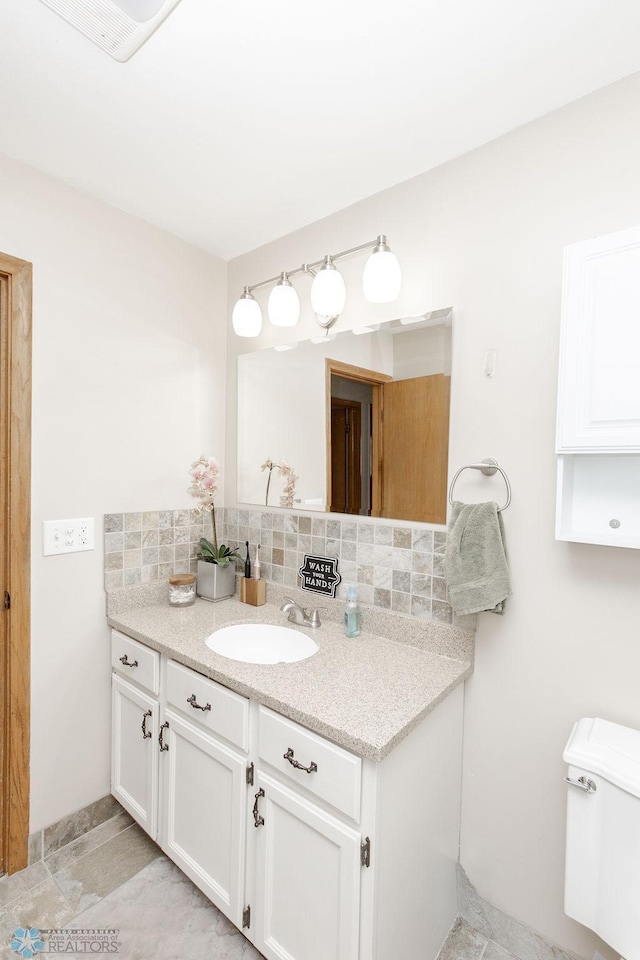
[{"x": 476, "y": 566}]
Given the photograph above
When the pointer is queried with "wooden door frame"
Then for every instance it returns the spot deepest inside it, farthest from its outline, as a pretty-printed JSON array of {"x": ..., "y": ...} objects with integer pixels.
[
  {"x": 15, "y": 506},
  {"x": 348, "y": 371}
]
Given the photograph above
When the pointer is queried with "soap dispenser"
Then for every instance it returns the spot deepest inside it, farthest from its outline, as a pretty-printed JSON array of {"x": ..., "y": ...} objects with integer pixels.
[{"x": 352, "y": 613}]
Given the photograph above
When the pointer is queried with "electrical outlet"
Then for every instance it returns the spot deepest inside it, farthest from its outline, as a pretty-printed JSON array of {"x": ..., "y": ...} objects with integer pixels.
[{"x": 67, "y": 536}]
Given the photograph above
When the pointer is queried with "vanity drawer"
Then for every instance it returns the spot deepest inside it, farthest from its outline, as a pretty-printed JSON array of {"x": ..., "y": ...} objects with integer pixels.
[
  {"x": 135, "y": 661},
  {"x": 338, "y": 774},
  {"x": 209, "y": 704}
]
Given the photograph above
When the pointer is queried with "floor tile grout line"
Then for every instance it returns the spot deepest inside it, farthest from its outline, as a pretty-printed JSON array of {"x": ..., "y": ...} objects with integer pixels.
[
  {"x": 89, "y": 852},
  {"x": 26, "y": 890}
]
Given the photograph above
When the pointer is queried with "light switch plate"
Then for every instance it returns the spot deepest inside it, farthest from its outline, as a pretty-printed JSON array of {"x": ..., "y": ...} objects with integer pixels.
[{"x": 67, "y": 536}]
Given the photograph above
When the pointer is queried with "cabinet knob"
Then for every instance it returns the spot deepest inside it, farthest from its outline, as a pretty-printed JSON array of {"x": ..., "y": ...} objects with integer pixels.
[{"x": 128, "y": 663}]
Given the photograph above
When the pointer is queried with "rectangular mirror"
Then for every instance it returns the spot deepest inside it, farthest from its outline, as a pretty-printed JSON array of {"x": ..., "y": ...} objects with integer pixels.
[{"x": 361, "y": 421}]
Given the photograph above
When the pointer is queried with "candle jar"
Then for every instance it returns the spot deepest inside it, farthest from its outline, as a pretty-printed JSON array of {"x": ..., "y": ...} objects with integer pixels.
[{"x": 182, "y": 590}]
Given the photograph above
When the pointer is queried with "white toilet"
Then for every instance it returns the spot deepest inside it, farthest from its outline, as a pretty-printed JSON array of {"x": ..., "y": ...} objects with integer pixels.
[{"x": 602, "y": 872}]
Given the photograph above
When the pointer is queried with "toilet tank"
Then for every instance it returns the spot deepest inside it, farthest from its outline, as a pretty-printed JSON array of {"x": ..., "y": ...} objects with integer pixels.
[{"x": 602, "y": 871}]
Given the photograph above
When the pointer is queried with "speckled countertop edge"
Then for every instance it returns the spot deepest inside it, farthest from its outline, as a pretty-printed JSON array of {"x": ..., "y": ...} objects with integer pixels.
[{"x": 365, "y": 693}]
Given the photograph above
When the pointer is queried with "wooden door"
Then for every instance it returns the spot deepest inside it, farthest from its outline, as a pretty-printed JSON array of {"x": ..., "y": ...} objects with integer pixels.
[
  {"x": 346, "y": 471},
  {"x": 307, "y": 882},
  {"x": 15, "y": 537},
  {"x": 134, "y": 753},
  {"x": 415, "y": 448},
  {"x": 203, "y": 812}
]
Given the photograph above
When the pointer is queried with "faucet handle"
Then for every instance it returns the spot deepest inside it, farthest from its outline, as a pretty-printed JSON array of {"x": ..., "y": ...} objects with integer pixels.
[{"x": 314, "y": 617}]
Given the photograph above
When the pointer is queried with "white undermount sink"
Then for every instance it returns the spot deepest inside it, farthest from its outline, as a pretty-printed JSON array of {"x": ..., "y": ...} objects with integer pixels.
[{"x": 261, "y": 643}]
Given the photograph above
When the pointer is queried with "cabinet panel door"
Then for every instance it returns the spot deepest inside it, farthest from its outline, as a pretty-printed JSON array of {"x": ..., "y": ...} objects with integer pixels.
[
  {"x": 599, "y": 400},
  {"x": 203, "y": 815},
  {"x": 307, "y": 882},
  {"x": 134, "y": 753}
]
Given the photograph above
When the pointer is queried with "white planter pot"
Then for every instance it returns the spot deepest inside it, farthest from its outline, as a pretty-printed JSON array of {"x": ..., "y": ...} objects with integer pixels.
[{"x": 215, "y": 582}]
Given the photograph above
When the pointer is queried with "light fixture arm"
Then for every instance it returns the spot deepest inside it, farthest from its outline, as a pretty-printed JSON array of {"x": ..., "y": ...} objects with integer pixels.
[{"x": 308, "y": 267}]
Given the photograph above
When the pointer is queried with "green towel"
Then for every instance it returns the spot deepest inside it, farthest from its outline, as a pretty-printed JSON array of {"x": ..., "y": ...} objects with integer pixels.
[{"x": 476, "y": 566}]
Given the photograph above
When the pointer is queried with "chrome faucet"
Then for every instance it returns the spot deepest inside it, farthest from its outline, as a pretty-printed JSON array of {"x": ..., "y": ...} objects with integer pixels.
[{"x": 299, "y": 615}]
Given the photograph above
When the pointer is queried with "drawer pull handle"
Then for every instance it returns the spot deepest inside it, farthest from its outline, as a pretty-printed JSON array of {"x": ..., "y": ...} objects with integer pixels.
[
  {"x": 312, "y": 768},
  {"x": 196, "y": 706},
  {"x": 163, "y": 745},
  {"x": 257, "y": 819},
  {"x": 127, "y": 663},
  {"x": 146, "y": 734}
]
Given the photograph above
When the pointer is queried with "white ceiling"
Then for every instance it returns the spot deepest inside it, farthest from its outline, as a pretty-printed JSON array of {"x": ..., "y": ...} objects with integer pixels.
[{"x": 239, "y": 122}]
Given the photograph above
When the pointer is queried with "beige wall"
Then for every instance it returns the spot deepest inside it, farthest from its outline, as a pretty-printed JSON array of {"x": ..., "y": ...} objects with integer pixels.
[
  {"x": 485, "y": 234},
  {"x": 128, "y": 388}
]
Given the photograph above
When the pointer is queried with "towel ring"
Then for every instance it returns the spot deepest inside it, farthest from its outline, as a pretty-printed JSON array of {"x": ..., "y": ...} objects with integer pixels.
[{"x": 488, "y": 467}]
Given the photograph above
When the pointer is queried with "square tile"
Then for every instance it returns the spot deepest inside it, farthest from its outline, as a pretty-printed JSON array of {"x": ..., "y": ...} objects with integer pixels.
[
  {"x": 149, "y": 538},
  {"x": 113, "y": 522},
  {"x": 113, "y": 542},
  {"x": 402, "y": 538},
  {"x": 133, "y": 540},
  {"x": 383, "y": 534},
  {"x": 133, "y": 521},
  {"x": 365, "y": 533}
]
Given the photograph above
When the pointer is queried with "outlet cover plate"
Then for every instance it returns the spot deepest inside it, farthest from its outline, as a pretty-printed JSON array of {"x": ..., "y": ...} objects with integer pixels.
[{"x": 67, "y": 536}]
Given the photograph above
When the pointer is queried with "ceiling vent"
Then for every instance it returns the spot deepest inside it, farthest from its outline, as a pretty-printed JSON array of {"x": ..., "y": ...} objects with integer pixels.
[{"x": 119, "y": 27}]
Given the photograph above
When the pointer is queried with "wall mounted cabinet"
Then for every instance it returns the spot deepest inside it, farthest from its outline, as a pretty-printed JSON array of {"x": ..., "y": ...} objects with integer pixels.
[
  {"x": 311, "y": 850},
  {"x": 598, "y": 426}
]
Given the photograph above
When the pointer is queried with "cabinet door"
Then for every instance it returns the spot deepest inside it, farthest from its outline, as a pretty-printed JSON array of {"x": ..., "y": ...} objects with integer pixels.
[
  {"x": 203, "y": 812},
  {"x": 134, "y": 753},
  {"x": 307, "y": 879},
  {"x": 598, "y": 398}
]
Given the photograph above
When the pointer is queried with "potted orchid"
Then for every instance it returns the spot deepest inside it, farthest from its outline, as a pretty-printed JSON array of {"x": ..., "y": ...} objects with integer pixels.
[{"x": 216, "y": 572}]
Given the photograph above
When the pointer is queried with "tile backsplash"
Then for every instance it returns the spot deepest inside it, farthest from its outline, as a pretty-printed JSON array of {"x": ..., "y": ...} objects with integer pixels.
[
  {"x": 151, "y": 545},
  {"x": 399, "y": 568}
]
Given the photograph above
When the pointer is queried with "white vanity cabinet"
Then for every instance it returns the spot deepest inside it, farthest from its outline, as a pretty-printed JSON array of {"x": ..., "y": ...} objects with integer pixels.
[
  {"x": 135, "y": 718},
  {"x": 598, "y": 423},
  {"x": 179, "y": 767},
  {"x": 314, "y": 852},
  {"x": 309, "y": 850},
  {"x": 203, "y": 785}
]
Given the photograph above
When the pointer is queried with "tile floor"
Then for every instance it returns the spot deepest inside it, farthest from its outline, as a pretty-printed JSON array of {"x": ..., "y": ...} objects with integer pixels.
[{"x": 115, "y": 878}]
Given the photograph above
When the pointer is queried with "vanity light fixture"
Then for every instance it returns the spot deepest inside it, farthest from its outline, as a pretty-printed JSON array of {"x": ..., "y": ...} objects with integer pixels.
[
  {"x": 382, "y": 277},
  {"x": 328, "y": 291},
  {"x": 247, "y": 316},
  {"x": 284, "y": 303},
  {"x": 381, "y": 284}
]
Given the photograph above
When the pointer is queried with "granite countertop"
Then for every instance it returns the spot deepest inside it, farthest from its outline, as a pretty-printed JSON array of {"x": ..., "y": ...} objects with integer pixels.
[{"x": 364, "y": 694}]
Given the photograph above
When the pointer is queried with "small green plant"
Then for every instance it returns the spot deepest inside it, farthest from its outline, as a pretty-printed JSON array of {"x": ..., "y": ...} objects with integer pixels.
[{"x": 223, "y": 556}]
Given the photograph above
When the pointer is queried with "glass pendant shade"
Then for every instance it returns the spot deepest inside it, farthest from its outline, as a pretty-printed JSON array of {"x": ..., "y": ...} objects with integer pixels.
[
  {"x": 382, "y": 277},
  {"x": 284, "y": 304},
  {"x": 328, "y": 292},
  {"x": 247, "y": 316}
]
